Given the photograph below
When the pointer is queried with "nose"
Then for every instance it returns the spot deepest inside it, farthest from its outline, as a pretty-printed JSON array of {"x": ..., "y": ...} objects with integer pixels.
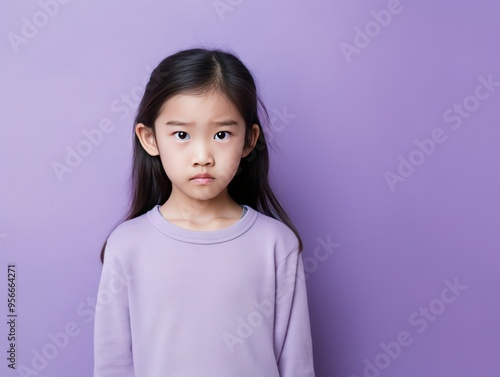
[{"x": 202, "y": 154}]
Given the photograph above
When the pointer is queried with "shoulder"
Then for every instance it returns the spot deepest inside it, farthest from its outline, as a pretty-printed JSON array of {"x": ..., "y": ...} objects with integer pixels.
[
  {"x": 127, "y": 235},
  {"x": 278, "y": 233}
]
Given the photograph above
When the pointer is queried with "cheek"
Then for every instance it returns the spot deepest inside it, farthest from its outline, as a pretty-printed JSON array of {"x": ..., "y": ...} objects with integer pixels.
[
  {"x": 233, "y": 160},
  {"x": 169, "y": 158}
]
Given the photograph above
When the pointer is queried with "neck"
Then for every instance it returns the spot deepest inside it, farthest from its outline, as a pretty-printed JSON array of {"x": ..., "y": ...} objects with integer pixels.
[{"x": 180, "y": 207}]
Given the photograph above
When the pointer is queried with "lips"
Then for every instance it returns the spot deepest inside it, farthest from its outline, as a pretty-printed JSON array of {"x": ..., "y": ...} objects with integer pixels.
[{"x": 202, "y": 175}]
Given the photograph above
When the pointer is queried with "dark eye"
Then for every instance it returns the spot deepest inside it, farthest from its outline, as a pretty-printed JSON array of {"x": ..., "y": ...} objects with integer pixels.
[
  {"x": 222, "y": 133},
  {"x": 182, "y": 135}
]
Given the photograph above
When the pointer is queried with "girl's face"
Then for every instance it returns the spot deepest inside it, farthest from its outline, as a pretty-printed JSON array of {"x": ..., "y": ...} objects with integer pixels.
[{"x": 198, "y": 134}]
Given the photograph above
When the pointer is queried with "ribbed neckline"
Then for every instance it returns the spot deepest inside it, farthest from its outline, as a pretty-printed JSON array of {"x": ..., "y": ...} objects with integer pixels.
[{"x": 198, "y": 236}]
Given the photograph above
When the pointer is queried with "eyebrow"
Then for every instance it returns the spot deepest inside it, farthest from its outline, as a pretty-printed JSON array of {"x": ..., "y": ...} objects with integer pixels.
[{"x": 228, "y": 122}]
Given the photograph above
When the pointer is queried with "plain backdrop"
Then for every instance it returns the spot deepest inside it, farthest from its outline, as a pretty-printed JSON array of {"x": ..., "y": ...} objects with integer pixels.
[{"x": 385, "y": 154}]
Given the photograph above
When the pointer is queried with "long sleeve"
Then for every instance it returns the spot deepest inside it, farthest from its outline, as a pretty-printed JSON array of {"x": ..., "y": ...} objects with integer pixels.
[
  {"x": 112, "y": 336},
  {"x": 292, "y": 336}
]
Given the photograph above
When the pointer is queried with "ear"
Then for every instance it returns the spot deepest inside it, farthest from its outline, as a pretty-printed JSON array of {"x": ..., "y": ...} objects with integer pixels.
[
  {"x": 255, "y": 132},
  {"x": 147, "y": 138}
]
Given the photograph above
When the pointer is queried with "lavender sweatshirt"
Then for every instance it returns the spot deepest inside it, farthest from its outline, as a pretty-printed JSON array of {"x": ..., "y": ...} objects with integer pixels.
[{"x": 174, "y": 302}]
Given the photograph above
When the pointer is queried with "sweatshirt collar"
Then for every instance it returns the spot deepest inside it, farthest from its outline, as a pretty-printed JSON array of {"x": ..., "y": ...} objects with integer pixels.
[{"x": 202, "y": 237}]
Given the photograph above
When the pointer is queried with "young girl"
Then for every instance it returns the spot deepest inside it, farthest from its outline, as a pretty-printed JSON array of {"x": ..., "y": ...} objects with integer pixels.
[{"x": 205, "y": 277}]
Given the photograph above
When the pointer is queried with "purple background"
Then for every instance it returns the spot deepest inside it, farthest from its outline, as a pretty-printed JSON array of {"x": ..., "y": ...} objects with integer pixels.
[{"x": 353, "y": 117}]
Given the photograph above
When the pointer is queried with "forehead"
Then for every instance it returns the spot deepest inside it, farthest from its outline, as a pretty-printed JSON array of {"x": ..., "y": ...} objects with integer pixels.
[{"x": 211, "y": 104}]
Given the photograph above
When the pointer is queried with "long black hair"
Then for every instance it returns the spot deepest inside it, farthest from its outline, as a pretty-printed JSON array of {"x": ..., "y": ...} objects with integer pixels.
[{"x": 201, "y": 70}]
